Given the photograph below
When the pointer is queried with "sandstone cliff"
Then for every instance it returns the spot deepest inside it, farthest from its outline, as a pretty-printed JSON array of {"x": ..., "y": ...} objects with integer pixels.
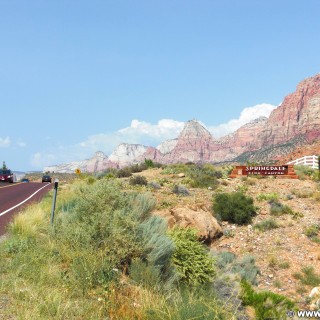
[{"x": 294, "y": 123}]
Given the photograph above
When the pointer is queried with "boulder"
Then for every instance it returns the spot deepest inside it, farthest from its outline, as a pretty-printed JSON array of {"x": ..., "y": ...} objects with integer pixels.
[{"x": 207, "y": 226}]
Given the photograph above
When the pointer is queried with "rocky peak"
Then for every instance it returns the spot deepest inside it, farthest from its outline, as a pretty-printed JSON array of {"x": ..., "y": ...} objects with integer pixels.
[
  {"x": 298, "y": 114},
  {"x": 99, "y": 155},
  {"x": 126, "y": 154},
  {"x": 193, "y": 129}
]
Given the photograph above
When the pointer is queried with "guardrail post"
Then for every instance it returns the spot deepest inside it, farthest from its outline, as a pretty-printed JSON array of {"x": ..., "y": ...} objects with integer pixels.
[{"x": 56, "y": 181}]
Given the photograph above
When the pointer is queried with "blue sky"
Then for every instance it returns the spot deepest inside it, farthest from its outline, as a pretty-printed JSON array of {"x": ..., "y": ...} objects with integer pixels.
[{"x": 81, "y": 76}]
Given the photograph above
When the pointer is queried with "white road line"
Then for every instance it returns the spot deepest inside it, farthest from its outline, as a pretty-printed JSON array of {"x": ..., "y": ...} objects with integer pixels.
[{"x": 19, "y": 204}]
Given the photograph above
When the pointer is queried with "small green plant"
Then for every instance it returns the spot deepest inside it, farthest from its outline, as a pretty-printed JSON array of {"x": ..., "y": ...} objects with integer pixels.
[
  {"x": 190, "y": 257},
  {"x": 278, "y": 209},
  {"x": 265, "y": 225},
  {"x": 284, "y": 265},
  {"x": 242, "y": 188},
  {"x": 228, "y": 233},
  {"x": 234, "y": 207},
  {"x": 138, "y": 180},
  {"x": 312, "y": 231},
  {"x": 267, "y": 196},
  {"x": 267, "y": 305},
  {"x": 307, "y": 276}
]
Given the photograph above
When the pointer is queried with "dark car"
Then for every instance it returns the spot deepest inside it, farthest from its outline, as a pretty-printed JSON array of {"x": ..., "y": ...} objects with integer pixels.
[
  {"x": 7, "y": 175},
  {"x": 46, "y": 179},
  {"x": 25, "y": 180}
]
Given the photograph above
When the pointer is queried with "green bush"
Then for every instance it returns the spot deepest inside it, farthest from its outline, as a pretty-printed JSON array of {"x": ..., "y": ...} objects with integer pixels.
[
  {"x": 244, "y": 266},
  {"x": 234, "y": 207},
  {"x": 265, "y": 225},
  {"x": 203, "y": 176},
  {"x": 278, "y": 209},
  {"x": 308, "y": 276},
  {"x": 267, "y": 305},
  {"x": 190, "y": 257},
  {"x": 312, "y": 231},
  {"x": 267, "y": 196},
  {"x": 124, "y": 173},
  {"x": 138, "y": 180}
]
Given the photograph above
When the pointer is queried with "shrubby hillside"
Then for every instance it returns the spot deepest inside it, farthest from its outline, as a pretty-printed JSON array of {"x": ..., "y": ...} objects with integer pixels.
[{"x": 173, "y": 242}]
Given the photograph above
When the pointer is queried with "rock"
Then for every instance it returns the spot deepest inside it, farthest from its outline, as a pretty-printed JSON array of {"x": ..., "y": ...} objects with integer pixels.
[
  {"x": 207, "y": 226},
  {"x": 181, "y": 175}
]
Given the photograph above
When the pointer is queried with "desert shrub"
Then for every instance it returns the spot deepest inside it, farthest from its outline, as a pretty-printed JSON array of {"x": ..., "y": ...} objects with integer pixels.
[
  {"x": 228, "y": 233},
  {"x": 135, "y": 168},
  {"x": 234, "y": 207},
  {"x": 154, "y": 185},
  {"x": 203, "y": 176},
  {"x": 265, "y": 225},
  {"x": 138, "y": 180},
  {"x": 267, "y": 196},
  {"x": 190, "y": 257},
  {"x": 199, "y": 303},
  {"x": 223, "y": 259},
  {"x": 144, "y": 274},
  {"x": 307, "y": 276},
  {"x": 284, "y": 265},
  {"x": 312, "y": 231},
  {"x": 158, "y": 246},
  {"x": 246, "y": 268},
  {"x": 108, "y": 173},
  {"x": 267, "y": 305},
  {"x": 304, "y": 172},
  {"x": 175, "y": 168},
  {"x": 149, "y": 163},
  {"x": 278, "y": 209},
  {"x": 99, "y": 219},
  {"x": 124, "y": 173},
  {"x": 302, "y": 193},
  {"x": 180, "y": 190}
]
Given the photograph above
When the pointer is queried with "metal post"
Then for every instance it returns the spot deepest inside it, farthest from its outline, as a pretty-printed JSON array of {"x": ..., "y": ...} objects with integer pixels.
[{"x": 54, "y": 200}]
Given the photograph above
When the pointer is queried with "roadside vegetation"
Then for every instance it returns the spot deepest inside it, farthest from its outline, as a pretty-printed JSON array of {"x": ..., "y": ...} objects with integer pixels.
[{"x": 108, "y": 257}]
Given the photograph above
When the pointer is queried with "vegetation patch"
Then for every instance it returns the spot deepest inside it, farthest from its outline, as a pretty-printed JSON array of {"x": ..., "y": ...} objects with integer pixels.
[
  {"x": 266, "y": 304},
  {"x": 307, "y": 276},
  {"x": 234, "y": 207},
  {"x": 191, "y": 258},
  {"x": 265, "y": 225}
]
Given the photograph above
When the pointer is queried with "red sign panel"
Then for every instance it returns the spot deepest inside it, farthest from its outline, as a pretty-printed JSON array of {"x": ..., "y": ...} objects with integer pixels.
[{"x": 261, "y": 170}]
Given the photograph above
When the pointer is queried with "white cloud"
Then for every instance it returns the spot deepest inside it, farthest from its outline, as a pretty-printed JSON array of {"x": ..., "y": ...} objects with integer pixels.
[
  {"x": 5, "y": 142},
  {"x": 40, "y": 160},
  {"x": 140, "y": 132},
  {"x": 22, "y": 144},
  {"x": 247, "y": 114},
  {"x": 164, "y": 129}
]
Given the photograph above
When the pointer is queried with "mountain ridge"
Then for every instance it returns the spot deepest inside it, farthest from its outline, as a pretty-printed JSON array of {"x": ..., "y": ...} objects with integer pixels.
[{"x": 294, "y": 123}]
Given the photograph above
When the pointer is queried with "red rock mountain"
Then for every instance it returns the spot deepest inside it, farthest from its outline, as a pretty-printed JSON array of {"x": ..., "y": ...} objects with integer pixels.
[
  {"x": 299, "y": 114},
  {"x": 294, "y": 123}
]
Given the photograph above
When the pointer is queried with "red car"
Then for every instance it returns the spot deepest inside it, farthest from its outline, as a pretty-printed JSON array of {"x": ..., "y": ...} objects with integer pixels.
[{"x": 7, "y": 176}]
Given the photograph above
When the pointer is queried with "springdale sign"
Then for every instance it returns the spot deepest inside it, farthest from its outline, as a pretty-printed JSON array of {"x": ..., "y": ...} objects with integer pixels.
[
  {"x": 266, "y": 170},
  {"x": 285, "y": 171}
]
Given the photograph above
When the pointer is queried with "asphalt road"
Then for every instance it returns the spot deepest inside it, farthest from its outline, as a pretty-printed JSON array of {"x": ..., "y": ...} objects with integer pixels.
[{"x": 14, "y": 197}]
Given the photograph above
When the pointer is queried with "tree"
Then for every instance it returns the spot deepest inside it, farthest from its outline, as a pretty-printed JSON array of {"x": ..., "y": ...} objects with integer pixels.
[{"x": 4, "y": 167}]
